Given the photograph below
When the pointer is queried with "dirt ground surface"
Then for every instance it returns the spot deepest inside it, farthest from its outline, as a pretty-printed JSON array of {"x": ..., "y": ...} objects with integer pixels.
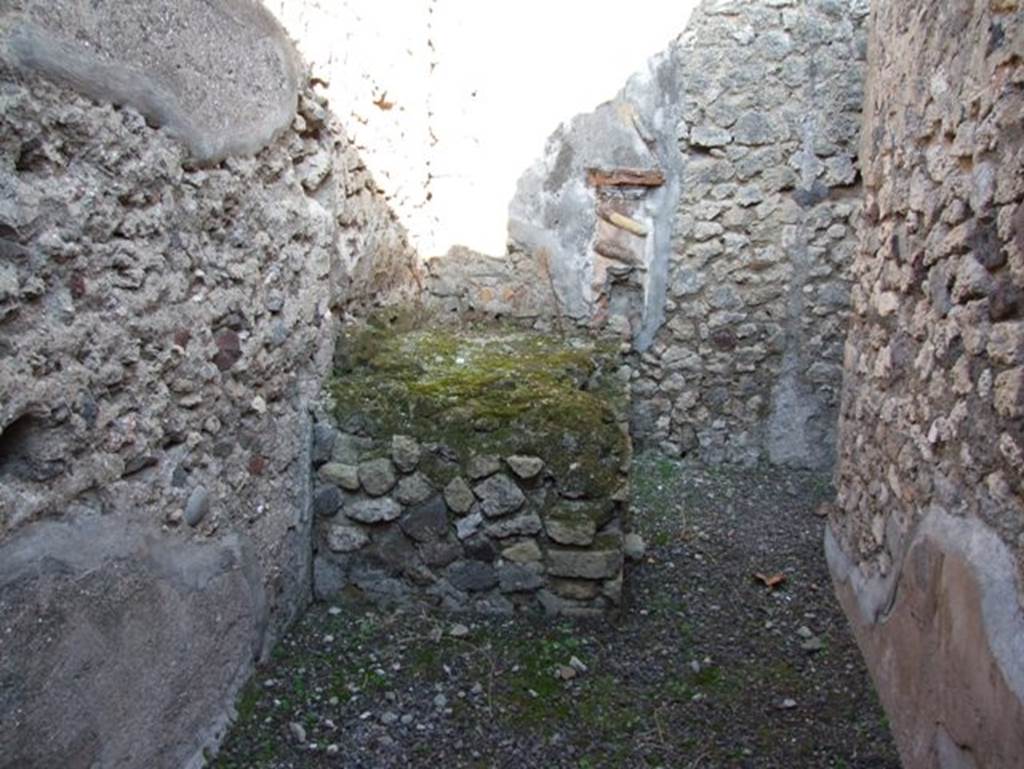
[{"x": 707, "y": 665}]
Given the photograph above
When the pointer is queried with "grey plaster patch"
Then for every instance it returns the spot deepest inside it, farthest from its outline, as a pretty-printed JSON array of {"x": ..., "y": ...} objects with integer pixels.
[
  {"x": 553, "y": 214},
  {"x": 220, "y": 76},
  {"x": 655, "y": 92},
  {"x": 994, "y": 567},
  {"x": 153, "y": 638}
]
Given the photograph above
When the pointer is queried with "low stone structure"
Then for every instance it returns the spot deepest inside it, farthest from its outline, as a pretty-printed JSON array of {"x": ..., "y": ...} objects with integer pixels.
[
  {"x": 707, "y": 215},
  {"x": 474, "y": 469},
  {"x": 925, "y": 544}
]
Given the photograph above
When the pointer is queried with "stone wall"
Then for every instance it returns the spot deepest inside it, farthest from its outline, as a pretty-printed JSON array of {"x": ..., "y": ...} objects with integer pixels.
[
  {"x": 925, "y": 542},
  {"x": 467, "y": 284},
  {"x": 165, "y": 322},
  {"x": 507, "y": 488},
  {"x": 706, "y": 213}
]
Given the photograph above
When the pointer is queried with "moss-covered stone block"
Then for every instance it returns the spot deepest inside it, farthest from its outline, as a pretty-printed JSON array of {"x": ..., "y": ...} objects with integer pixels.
[
  {"x": 487, "y": 394},
  {"x": 483, "y": 468}
]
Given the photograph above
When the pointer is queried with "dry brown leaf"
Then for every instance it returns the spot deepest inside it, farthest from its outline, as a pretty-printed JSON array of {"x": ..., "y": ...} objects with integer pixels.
[
  {"x": 770, "y": 580},
  {"x": 383, "y": 103}
]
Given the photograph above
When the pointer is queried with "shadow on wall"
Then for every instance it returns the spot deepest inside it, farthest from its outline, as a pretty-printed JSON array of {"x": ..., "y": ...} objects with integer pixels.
[{"x": 24, "y": 452}]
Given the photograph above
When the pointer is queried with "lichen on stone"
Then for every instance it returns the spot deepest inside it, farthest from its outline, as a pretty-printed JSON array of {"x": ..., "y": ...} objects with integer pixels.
[{"x": 488, "y": 390}]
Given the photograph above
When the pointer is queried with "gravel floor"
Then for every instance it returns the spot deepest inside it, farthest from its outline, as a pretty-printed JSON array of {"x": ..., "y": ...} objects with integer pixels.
[{"x": 707, "y": 666}]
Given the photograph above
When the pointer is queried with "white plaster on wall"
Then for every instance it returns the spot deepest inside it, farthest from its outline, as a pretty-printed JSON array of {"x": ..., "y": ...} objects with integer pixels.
[{"x": 467, "y": 92}]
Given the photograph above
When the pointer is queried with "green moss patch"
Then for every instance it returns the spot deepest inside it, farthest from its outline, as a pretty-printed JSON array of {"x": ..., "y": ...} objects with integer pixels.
[{"x": 489, "y": 391}]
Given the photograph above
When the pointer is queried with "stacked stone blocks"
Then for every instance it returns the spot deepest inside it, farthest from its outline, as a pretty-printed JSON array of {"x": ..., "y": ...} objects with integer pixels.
[{"x": 403, "y": 519}]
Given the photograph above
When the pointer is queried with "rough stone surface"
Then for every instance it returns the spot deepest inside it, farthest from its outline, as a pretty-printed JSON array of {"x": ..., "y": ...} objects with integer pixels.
[
  {"x": 571, "y": 531},
  {"x": 198, "y": 506},
  {"x": 468, "y": 526},
  {"x": 379, "y": 510},
  {"x": 520, "y": 526},
  {"x": 166, "y": 326},
  {"x": 526, "y": 551},
  {"x": 925, "y": 540},
  {"x": 459, "y": 496},
  {"x": 348, "y": 449},
  {"x": 576, "y": 589},
  {"x": 464, "y": 282},
  {"x": 414, "y": 489},
  {"x": 479, "y": 548},
  {"x": 346, "y": 539},
  {"x": 473, "y": 576},
  {"x": 440, "y": 553},
  {"x": 735, "y": 284},
  {"x": 325, "y": 438},
  {"x": 396, "y": 552},
  {"x": 515, "y": 578},
  {"x": 427, "y": 521},
  {"x": 377, "y": 476},
  {"x": 526, "y": 468},
  {"x": 328, "y": 501},
  {"x": 482, "y": 467},
  {"x": 378, "y": 586},
  {"x": 338, "y": 474},
  {"x": 634, "y": 547},
  {"x": 584, "y": 564},
  {"x": 405, "y": 453},
  {"x": 499, "y": 495}
]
